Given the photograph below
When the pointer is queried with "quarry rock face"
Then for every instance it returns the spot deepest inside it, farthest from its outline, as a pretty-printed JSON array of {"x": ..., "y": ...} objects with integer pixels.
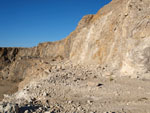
[{"x": 118, "y": 36}]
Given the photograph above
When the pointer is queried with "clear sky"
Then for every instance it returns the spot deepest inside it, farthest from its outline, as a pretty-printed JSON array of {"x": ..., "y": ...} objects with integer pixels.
[{"x": 25, "y": 23}]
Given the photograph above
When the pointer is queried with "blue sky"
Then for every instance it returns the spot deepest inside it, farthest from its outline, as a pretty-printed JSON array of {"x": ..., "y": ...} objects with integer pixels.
[{"x": 25, "y": 23}]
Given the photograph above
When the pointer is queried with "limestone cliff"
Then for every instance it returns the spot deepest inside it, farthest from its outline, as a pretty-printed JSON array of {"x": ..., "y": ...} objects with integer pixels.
[{"x": 118, "y": 36}]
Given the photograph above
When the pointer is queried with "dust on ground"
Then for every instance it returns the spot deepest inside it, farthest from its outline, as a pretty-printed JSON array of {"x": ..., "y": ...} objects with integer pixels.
[{"x": 7, "y": 87}]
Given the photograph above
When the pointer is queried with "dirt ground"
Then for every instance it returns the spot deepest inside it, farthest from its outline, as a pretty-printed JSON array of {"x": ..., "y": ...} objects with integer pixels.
[
  {"x": 7, "y": 87},
  {"x": 74, "y": 89}
]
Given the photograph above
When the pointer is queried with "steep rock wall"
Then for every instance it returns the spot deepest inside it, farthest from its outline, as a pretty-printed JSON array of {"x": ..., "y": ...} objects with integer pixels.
[{"x": 118, "y": 35}]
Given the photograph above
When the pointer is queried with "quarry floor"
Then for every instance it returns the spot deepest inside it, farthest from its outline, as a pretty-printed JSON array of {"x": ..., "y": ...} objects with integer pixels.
[
  {"x": 7, "y": 87},
  {"x": 77, "y": 89}
]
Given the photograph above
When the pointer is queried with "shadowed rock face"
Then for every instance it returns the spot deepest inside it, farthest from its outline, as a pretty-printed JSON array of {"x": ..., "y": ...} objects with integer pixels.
[
  {"x": 118, "y": 36},
  {"x": 7, "y": 55}
]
